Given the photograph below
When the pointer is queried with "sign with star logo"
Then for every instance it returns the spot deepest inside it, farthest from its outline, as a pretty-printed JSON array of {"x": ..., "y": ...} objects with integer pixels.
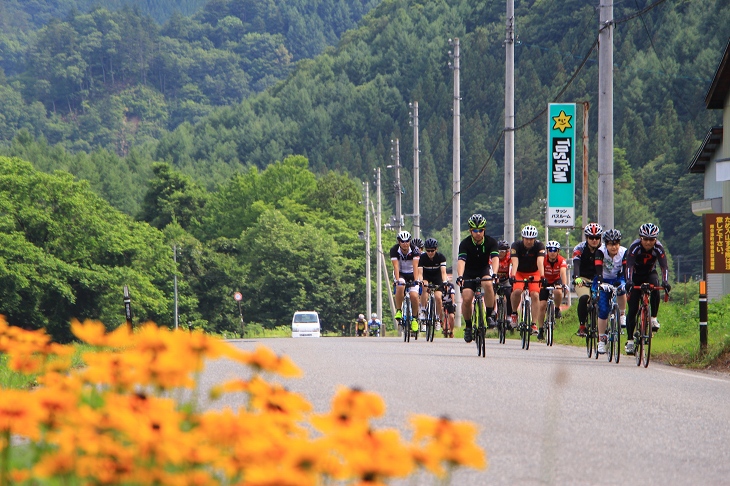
[{"x": 561, "y": 165}]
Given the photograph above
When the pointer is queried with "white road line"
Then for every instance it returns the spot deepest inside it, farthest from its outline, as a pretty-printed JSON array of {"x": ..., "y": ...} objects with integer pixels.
[{"x": 692, "y": 374}]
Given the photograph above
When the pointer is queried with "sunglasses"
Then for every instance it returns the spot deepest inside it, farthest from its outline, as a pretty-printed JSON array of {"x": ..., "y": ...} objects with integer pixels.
[
  {"x": 648, "y": 239},
  {"x": 477, "y": 231},
  {"x": 431, "y": 250},
  {"x": 552, "y": 250},
  {"x": 594, "y": 237}
]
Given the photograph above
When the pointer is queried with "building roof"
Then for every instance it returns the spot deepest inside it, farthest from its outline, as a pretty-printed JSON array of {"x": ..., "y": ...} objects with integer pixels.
[
  {"x": 704, "y": 154},
  {"x": 716, "y": 95}
]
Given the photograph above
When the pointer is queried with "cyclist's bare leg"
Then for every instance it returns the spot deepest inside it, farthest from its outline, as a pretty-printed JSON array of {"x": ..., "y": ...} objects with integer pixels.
[
  {"x": 516, "y": 297},
  {"x": 400, "y": 291},
  {"x": 489, "y": 297},
  {"x": 557, "y": 298},
  {"x": 621, "y": 300},
  {"x": 415, "y": 300},
  {"x": 439, "y": 305},
  {"x": 467, "y": 303},
  {"x": 424, "y": 295},
  {"x": 602, "y": 326},
  {"x": 535, "y": 298}
]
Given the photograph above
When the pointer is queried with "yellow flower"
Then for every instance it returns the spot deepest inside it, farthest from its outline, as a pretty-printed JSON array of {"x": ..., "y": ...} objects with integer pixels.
[
  {"x": 20, "y": 413},
  {"x": 264, "y": 359},
  {"x": 451, "y": 441}
]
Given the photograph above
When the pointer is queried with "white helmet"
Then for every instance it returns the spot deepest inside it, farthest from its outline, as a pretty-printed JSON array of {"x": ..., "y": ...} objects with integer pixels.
[
  {"x": 552, "y": 244},
  {"x": 361, "y": 316},
  {"x": 404, "y": 236},
  {"x": 529, "y": 231},
  {"x": 374, "y": 315}
]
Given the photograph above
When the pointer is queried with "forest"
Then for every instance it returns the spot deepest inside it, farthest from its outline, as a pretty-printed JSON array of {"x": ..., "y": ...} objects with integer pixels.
[{"x": 179, "y": 133}]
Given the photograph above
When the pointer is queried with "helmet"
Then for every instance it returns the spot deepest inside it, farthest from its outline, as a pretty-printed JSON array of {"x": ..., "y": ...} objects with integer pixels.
[
  {"x": 361, "y": 316},
  {"x": 477, "y": 221},
  {"x": 529, "y": 231},
  {"x": 552, "y": 244},
  {"x": 417, "y": 242},
  {"x": 374, "y": 315},
  {"x": 431, "y": 243},
  {"x": 612, "y": 235},
  {"x": 593, "y": 229},
  {"x": 648, "y": 230},
  {"x": 404, "y": 236},
  {"x": 503, "y": 245}
]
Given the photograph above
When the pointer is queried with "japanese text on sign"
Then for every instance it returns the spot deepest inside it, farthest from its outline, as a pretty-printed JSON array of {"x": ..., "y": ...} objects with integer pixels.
[
  {"x": 561, "y": 217},
  {"x": 717, "y": 243}
]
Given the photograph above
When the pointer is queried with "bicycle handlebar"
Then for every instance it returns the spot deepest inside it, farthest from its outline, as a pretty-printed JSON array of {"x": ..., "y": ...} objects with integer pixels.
[{"x": 650, "y": 287}]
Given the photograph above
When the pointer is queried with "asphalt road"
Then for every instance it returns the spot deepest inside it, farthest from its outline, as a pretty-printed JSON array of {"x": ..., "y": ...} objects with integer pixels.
[{"x": 546, "y": 416}]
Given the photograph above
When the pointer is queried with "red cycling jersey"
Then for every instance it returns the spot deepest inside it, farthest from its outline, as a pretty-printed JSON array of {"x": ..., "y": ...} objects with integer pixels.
[
  {"x": 504, "y": 264},
  {"x": 552, "y": 269}
]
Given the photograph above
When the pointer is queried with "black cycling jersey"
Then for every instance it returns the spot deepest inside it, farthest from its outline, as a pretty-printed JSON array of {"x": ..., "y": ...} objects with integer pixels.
[
  {"x": 641, "y": 263},
  {"x": 478, "y": 258},
  {"x": 405, "y": 261},
  {"x": 432, "y": 267},
  {"x": 527, "y": 257},
  {"x": 584, "y": 261}
]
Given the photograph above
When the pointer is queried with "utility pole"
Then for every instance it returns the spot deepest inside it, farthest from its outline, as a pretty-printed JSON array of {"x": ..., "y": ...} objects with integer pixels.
[
  {"x": 586, "y": 105},
  {"x": 456, "y": 206},
  {"x": 368, "y": 288},
  {"x": 605, "y": 115},
  {"x": 395, "y": 155},
  {"x": 416, "y": 173},
  {"x": 509, "y": 125},
  {"x": 174, "y": 259},
  {"x": 379, "y": 241}
]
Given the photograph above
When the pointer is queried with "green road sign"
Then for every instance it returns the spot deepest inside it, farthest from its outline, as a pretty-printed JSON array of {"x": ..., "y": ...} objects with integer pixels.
[{"x": 561, "y": 165}]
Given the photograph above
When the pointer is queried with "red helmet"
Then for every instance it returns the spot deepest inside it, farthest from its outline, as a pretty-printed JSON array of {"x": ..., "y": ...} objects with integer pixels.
[{"x": 593, "y": 229}]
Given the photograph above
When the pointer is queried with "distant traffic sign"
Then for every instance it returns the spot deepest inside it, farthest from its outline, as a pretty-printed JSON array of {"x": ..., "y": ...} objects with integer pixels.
[{"x": 238, "y": 296}]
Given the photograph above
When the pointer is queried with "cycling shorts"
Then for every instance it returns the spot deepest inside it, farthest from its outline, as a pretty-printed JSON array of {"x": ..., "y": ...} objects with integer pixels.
[
  {"x": 544, "y": 293},
  {"x": 410, "y": 285},
  {"x": 534, "y": 286},
  {"x": 433, "y": 277},
  {"x": 485, "y": 272}
]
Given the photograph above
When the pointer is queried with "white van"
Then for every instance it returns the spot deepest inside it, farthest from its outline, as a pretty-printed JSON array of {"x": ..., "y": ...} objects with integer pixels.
[{"x": 305, "y": 324}]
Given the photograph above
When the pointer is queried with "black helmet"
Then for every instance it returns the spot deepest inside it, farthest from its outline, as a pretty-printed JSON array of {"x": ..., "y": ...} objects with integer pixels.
[
  {"x": 477, "y": 221},
  {"x": 612, "y": 235},
  {"x": 431, "y": 243},
  {"x": 417, "y": 242},
  {"x": 503, "y": 245}
]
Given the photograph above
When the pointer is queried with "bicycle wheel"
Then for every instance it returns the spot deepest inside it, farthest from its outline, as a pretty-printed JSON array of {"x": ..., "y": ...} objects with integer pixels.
[
  {"x": 615, "y": 349},
  {"x": 501, "y": 325},
  {"x": 591, "y": 345},
  {"x": 647, "y": 345},
  {"x": 431, "y": 319},
  {"x": 475, "y": 322},
  {"x": 639, "y": 335},
  {"x": 549, "y": 323},
  {"x": 407, "y": 319},
  {"x": 528, "y": 324},
  {"x": 482, "y": 334}
]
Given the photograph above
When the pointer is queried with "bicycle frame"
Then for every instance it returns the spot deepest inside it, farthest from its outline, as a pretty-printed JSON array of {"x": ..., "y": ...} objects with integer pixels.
[
  {"x": 430, "y": 320},
  {"x": 501, "y": 311},
  {"x": 525, "y": 325},
  {"x": 479, "y": 316},
  {"x": 407, "y": 313},
  {"x": 614, "y": 326},
  {"x": 549, "y": 316},
  {"x": 643, "y": 332}
]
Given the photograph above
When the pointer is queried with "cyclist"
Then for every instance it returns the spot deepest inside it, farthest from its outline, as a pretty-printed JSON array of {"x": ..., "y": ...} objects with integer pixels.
[
  {"x": 611, "y": 256},
  {"x": 556, "y": 275},
  {"x": 584, "y": 270},
  {"x": 505, "y": 261},
  {"x": 447, "y": 322},
  {"x": 433, "y": 271},
  {"x": 405, "y": 264},
  {"x": 417, "y": 243},
  {"x": 528, "y": 259},
  {"x": 641, "y": 259},
  {"x": 374, "y": 325},
  {"x": 478, "y": 258},
  {"x": 360, "y": 325}
]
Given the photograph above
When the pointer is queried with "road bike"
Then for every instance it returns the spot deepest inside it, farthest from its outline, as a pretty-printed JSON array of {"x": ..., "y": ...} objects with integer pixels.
[
  {"x": 549, "y": 326},
  {"x": 525, "y": 325},
  {"x": 430, "y": 319},
  {"x": 592, "y": 326},
  {"x": 479, "y": 318},
  {"x": 643, "y": 332},
  {"x": 613, "y": 345},
  {"x": 503, "y": 320},
  {"x": 407, "y": 313}
]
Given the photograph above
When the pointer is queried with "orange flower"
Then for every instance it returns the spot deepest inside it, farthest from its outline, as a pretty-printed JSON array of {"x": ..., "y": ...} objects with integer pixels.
[
  {"x": 450, "y": 441},
  {"x": 264, "y": 359},
  {"x": 20, "y": 413}
]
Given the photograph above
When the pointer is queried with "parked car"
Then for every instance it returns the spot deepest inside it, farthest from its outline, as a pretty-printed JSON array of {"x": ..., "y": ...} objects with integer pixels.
[{"x": 306, "y": 324}]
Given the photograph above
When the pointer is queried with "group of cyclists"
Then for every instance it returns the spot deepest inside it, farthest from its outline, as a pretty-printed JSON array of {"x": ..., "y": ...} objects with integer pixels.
[{"x": 599, "y": 259}]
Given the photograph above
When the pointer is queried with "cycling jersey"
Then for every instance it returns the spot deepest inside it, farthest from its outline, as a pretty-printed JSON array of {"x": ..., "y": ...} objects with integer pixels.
[
  {"x": 527, "y": 257},
  {"x": 432, "y": 267},
  {"x": 504, "y": 264},
  {"x": 405, "y": 261},
  {"x": 612, "y": 267},
  {"x": 641, "y": 263},
  {"x": 478, "y": 258},
  {"x": 584, "y": 261},
  {"x": 448, "y": 299},
  {"x": 552, "y": 270}
]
